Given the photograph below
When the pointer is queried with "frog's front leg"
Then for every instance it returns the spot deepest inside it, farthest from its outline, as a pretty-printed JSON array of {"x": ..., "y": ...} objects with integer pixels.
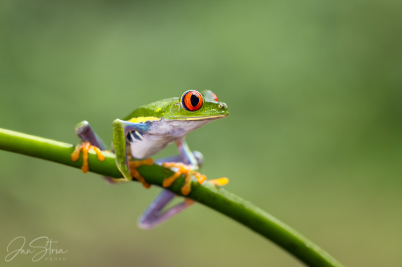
[{"x": 128, "y": 169}]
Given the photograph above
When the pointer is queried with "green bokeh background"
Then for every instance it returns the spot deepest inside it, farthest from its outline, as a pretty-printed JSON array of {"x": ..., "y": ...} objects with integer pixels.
[{"x": 314, "y": 135}]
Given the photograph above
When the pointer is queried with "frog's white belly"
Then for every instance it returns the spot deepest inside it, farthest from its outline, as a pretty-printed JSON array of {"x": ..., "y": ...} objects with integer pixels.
[
  {"x": 159, "y": 135},
  {"x": 149, "y": 144}
]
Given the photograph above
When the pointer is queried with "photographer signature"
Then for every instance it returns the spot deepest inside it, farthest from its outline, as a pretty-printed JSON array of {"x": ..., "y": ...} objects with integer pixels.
[{"x": 40, "y": 247}]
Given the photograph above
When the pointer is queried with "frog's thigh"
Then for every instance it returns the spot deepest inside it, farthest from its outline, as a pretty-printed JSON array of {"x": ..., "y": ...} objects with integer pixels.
[{"x": 153, "y": 216}]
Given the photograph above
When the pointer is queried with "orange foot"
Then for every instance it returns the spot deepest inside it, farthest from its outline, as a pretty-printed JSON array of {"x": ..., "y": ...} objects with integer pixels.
[
  {"x": 133, "y": 165},
  {"x": 188, "y": 172},
  {"x": 85, "y": 147}
]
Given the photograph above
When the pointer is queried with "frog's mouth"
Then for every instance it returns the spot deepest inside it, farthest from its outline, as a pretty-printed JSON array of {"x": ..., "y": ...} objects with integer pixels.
[{"x": 199, "y": 118}]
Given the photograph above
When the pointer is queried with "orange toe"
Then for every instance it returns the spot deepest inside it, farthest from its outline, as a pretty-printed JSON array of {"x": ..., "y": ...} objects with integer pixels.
[
  {"x": 220, "y": 181},
  {"x": 85, "y": 147},
  {"x": 133, "y": 165}
]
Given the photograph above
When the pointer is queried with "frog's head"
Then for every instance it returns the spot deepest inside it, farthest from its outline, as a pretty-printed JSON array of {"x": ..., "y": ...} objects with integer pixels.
[{"x": 193, "y": 105}]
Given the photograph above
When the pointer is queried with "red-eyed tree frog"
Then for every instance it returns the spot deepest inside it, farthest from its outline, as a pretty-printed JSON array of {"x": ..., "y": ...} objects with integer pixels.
[{"x": 149, "y": 129}]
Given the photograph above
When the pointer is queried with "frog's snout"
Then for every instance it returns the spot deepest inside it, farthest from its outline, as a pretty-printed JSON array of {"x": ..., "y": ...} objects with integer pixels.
[
  {"x": 223, "y": 105},
  {"x": 223, "y": 109}
]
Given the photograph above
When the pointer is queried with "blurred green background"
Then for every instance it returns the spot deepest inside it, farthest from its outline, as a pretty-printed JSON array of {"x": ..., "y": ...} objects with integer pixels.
[{"x": 314, "y": 135}]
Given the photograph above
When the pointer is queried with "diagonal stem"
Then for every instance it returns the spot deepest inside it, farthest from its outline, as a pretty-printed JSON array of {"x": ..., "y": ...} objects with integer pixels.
[{"x": 216, "y": 198}]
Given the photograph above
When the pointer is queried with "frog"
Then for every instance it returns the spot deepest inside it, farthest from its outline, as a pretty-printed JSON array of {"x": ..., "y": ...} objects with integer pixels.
[{"x": 146, "y": 131}]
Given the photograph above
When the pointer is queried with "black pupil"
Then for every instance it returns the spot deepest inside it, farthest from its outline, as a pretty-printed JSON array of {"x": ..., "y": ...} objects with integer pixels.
[{"x": 194, "y": 100}]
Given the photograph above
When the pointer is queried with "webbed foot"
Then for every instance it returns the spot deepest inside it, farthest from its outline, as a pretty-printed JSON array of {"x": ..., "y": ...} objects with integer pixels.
[
  {"x": 188, "y": 172},
  {"x": 85, "y": 147}
]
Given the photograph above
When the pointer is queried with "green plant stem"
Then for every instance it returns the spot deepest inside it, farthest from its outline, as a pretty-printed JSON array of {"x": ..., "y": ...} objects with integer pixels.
[{"x": 216, "y": 198}]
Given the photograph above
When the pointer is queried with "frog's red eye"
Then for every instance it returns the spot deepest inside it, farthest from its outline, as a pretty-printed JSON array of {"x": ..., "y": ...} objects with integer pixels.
[
  {"x": 192, "y": 100},
  {"x": 215, "y": 97}
]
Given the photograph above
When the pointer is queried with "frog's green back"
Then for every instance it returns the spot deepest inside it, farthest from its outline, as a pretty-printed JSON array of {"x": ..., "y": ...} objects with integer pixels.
[{"x": 156, "y": 109}]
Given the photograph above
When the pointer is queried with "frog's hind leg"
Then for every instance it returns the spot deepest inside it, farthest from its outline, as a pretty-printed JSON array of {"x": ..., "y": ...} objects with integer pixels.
[
  {"x": 89, "y": 140},
  {"x": 154, "y": 216},
  {"x": 86, "y": 134}
]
